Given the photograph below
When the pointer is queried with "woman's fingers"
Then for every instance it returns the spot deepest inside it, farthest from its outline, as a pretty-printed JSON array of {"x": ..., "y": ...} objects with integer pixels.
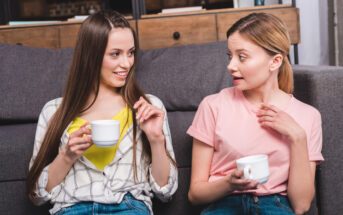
[
  {"x": 79, "y": 140},
  {"x": 80, "y": 148},
  {"x": 266, "y": 119},
  {"x": 140, "y": 101},
  {"x": 145, "y": 110},
  {"x": 269, "y": 107},
  {"x": 153, "y": 111},
  {"x": 140, "y": 106},
  {"x": 240, "y": 183},
  {"x": 264, "y": 112},
  {"x": 80, "y": 132},
  {"x": 141, "y": 110}
]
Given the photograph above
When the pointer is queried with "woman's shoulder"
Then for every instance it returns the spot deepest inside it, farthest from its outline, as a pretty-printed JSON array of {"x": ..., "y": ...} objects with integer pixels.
[
  {"x": 223, "y": 95},
  {"x": 155, "y": 100},
  {"x": 305, "y": 109},
  {"x": 51, "y": 106}
]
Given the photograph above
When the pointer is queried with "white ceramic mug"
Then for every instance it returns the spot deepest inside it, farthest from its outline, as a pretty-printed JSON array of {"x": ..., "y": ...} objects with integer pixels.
[
  {"x": 105, "y": 133},
  {"x": 255, "y": 167}
]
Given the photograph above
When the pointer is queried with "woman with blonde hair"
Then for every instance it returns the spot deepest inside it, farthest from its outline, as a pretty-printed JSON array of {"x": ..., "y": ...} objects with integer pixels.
[
  {"x": 75, "y": 175},
  {"x": 259, "y": 115}
]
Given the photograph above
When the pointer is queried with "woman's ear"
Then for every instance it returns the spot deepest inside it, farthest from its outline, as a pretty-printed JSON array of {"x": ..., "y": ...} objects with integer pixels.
[{"x": 276, "y": 62}]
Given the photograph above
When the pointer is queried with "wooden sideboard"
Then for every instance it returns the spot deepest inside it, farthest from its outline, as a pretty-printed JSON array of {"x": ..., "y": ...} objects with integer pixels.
[
  {"x": 155, "y": 31},
  {"x": 50, "y": 35}
]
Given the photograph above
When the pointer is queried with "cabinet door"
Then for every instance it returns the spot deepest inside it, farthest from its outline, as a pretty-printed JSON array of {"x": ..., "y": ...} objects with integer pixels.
[
  {"x": 133, "y": 25},
  {"x": 290, "y": 16},
  {"x": 173, "y": 31},
  {"x": 68, "y": 35},
  {"x": 46, "y": 37}
]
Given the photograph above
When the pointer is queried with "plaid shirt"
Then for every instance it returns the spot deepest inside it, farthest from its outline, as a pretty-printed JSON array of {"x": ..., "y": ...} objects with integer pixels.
[{"x": 84, "y": 182}]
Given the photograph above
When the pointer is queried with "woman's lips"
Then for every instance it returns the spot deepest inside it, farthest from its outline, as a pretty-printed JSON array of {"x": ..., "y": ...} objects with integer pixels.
[
  {"x": 120, "y": 75},
  {"x": 236, "y": 79}
]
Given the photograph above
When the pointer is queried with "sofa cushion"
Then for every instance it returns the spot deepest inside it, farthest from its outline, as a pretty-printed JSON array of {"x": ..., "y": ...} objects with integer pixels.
[
  {"x": 179, "y": 204},
  {"x": 182, "y": 76},
  {"x": 16, "y": 146},
  {"x": 14, "y": 201},
  {"x": 179, "y": 123},
  {"x": 29, "y": 78}
]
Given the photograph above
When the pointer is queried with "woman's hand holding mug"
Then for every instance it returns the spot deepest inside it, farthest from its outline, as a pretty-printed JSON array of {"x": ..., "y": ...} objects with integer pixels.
[
  {"x": 237, "y": 182},
  {"x": 79, "y": 141}
]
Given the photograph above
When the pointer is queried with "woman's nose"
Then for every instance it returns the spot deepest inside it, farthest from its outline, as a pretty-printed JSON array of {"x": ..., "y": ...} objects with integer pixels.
[
  {"x": 232, "y": 65},
  {"x": 125, "y": 62}
]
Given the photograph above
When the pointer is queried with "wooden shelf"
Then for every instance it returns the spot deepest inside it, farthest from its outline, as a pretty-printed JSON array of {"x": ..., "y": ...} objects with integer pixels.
[{"x": 157, "y": 30}]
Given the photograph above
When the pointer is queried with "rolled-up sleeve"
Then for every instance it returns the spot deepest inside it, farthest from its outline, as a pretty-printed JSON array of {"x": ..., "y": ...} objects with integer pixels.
[
  {"x": 165, "y": 193},
  {"x": 42, "y": 195}
]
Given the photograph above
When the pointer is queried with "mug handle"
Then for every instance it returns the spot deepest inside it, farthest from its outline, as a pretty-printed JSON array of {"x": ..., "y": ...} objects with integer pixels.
[{"x": 247, "y": 172}]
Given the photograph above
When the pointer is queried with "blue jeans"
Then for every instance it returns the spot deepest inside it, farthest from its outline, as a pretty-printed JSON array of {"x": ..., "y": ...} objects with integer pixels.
[
  {"x": 248, "y": 204},
  {"x": 129, "y": 206}
]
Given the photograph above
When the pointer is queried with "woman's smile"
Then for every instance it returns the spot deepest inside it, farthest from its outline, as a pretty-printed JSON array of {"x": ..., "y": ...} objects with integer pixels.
[{"x": 121, "y": 75}]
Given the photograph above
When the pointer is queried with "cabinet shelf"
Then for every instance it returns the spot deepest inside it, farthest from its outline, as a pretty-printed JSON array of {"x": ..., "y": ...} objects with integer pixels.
[{"x": 157, "y": 30}]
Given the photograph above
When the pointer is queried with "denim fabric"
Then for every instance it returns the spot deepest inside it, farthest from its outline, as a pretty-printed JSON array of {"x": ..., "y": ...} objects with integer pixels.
[
  {"x": 247, "y": 204},
  {"x": 129, "y": 206}
]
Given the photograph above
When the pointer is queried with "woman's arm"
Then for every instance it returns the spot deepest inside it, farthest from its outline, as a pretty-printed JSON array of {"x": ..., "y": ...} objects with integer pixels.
[
  {"x": 201, "y": 191},
  {"x": 301, "y": 177},
  {"x": 302, "y": 171},
  {"x": 151, "y": 122},
  {"x": 76, "y": 146}
]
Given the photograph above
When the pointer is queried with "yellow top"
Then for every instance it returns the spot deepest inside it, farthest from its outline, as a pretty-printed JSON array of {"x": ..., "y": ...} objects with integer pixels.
[{"x": 102, "y": 156}]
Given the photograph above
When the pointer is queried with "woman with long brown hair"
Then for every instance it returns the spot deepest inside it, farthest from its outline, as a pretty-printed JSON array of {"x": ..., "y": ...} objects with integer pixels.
[
  {"x": 74, "y": 174},
  {"x": 259, "y": 115}
]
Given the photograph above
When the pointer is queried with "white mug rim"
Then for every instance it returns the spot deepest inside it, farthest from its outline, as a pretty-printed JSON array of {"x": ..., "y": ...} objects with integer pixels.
[
  {"x": 105, "y": 122},
  {"x": 247, "y": 159}
]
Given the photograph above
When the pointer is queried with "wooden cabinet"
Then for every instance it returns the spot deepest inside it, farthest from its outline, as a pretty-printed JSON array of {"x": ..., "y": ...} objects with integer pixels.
[
  {"x": 156, "y": 31},
  {"x": 289, "y": 15},
  {"x": 68, "y": 35},
  {"x": 53, "y": 35},
  {"x": 40, "y": 37},
  {"x": 173, "y": 31}
]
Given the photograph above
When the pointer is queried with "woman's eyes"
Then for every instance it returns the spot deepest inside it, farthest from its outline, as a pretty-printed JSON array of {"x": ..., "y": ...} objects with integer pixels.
[
  {"x": 241, "y": 57},
  {"x": 132, "y": 52},
  {"x": 116, "y": 54}
]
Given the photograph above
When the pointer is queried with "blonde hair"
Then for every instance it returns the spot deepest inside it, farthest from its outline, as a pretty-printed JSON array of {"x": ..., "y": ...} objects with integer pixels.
[{"x": 270, "y": 33}]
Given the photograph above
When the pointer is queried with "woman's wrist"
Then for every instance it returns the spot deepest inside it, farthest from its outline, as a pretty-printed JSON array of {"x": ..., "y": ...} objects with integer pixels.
[
  {"x": 65, "y": 158},
  {"x": 229, "y": 188},
  {"x": 298, "y": 136},
  {"x": 157, "y": 140}
]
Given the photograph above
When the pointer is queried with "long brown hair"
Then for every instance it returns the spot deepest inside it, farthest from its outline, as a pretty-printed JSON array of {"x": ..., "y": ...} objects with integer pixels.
[
  {"x": 270, "y": 33},
  {"x": 84, "y": 79}
]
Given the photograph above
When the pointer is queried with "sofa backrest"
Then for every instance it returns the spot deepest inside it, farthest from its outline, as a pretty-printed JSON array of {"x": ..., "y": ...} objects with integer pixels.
[
  {"x": 321, "y": 86},
  {"x": 181, "y": 77},
  {"x": 29, "y": 78}
]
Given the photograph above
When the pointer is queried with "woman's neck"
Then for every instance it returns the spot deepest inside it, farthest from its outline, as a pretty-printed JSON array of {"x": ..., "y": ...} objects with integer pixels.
[
  {"x": 108, "y": 102},
  {"x": 267, "y": 94}
]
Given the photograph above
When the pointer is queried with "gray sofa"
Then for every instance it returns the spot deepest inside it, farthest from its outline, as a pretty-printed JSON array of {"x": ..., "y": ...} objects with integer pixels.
[{"x": 181, "y": 77}]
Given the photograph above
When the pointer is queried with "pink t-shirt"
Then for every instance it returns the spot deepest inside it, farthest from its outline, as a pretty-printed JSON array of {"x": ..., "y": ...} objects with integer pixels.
[{"x": 228, "y": 122}]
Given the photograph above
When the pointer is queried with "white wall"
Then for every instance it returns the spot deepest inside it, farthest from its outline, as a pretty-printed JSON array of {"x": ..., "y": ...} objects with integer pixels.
[{"x": 313, "y": 49}]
